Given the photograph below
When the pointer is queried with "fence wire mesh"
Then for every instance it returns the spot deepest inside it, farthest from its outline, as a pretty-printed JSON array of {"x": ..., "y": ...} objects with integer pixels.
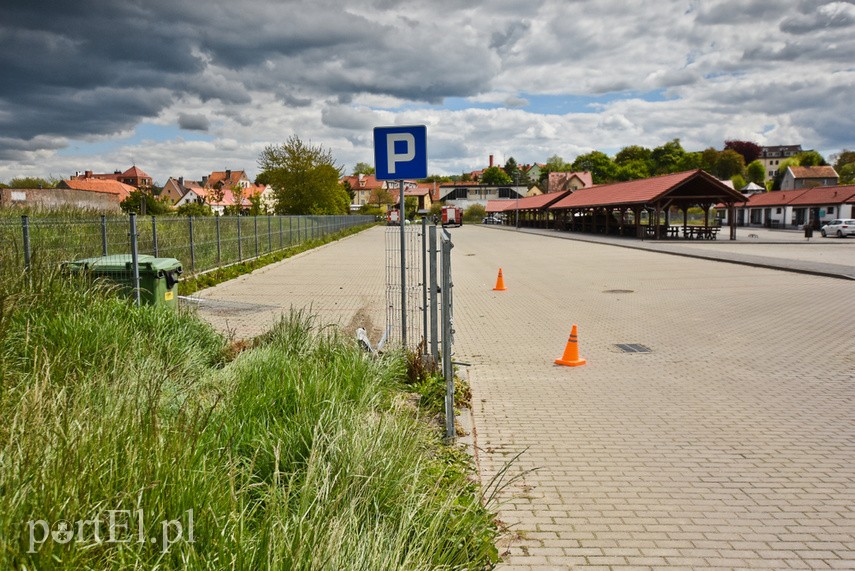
[
  {"x": 199, "y": 243},
  {"x": 410, "y": 292}
]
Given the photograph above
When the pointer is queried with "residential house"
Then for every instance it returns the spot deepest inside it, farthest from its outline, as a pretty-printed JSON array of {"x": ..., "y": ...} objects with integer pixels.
[
  {"x": 423, "y": 193},
  {"x": 771, "y": 157},
  {"x": 220, "y": 190},
  {"x": 794, "y": 208},
  {"x": 561, "y": 181},
  {"x": 807, "y": 177},
  {"x": 363, "y": 185},
  {"x": 134, "y": 176}
]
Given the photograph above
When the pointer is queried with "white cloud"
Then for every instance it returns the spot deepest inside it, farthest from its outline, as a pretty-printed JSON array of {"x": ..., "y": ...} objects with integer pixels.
[{"x": 246, "y": 74}]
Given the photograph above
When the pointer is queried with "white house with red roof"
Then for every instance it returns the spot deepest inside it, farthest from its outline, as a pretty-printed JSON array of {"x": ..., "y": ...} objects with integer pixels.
[{"x": 794, "y": 208}]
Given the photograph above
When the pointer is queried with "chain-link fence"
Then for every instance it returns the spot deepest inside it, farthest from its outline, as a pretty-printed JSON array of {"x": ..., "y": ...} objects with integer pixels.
[
  {"x": 419, "y": 300},
  {"x": 199, "y": 243}
]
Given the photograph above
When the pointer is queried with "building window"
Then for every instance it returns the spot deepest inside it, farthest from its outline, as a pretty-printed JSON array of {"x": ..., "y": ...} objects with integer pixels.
[
  {"x": 777, "y": 211},
  {"x": 831, "y": 210}
]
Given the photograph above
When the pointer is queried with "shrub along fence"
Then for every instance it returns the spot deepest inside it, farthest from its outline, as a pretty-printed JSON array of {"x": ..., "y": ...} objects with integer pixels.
[{"x": 199, "y": 243}]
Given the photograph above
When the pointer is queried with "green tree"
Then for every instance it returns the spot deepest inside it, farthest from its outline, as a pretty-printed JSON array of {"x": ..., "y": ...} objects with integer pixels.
[
  {"x": 495, "y": 176},
  {"x": 363, "y": 168},
  {"x": 729, "y": 164},
  {"x": 633, "y": 154},
  {"x": 738, "y": 180},
  {"x": 32, "y": 182},
  {"x": 380, "y": 196},
  {"x": 411, "y": 206},
  {"x": 601, "y": 167},
  {"x": 140, "y": 202},
  {"x": 846, "y": 173},
  {"x": 756, "y": 172},
  {"x": 842, "y": 159},
  {"x": 557, "y": 164},
  {"x": 512, "y": 169},
  {"x": 667, "y": 158},
  {"x": 810, "y": 159},
  {"x": 474, "y": 214},
  {"x": 194, "y": 209},
  {"x": 691, "y": 161},
  {"x": 304, "y": 178},
  {"x": 348, "y": 188}
]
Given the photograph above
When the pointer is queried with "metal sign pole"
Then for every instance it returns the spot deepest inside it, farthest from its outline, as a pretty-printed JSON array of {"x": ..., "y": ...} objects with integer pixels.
[{"x": 403, "y": 268}]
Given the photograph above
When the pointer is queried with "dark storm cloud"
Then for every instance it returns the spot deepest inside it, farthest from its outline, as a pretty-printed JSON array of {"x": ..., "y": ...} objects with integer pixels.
[
  {"x": 192, "y": 122},
  {"x": 67, "y": 64}
]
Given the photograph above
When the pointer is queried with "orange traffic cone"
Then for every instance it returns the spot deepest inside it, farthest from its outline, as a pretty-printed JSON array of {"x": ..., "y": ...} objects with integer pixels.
[
  {"x": 571, "y": 352},
  {"x": 500, "y": 282}
]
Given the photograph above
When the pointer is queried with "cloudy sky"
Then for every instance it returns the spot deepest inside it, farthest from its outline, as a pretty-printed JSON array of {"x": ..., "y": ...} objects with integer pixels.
[{"x": 182, "y": 88}]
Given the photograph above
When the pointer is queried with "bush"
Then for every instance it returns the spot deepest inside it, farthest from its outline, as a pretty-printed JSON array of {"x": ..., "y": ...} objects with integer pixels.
[
  {"x": 194, "y": 209},
  {"x": 474, "y": 213}
]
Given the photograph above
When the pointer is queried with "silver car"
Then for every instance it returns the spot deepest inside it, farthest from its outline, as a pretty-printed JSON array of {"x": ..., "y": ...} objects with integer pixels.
[{"x": 839, "y": 228}]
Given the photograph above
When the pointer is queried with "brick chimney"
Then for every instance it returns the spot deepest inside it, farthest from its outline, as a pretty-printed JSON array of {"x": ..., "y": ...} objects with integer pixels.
[
  {"x": 491, "y": 161},
  {"x": 204, "y": 180},
  {"x": 228, "y": 175},
  {"x": 181, "y": 181},
  {"x": 87, "y": 174}
]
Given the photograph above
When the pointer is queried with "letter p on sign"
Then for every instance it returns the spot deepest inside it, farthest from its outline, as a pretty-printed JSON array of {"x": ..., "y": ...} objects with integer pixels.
[{"x": 400, "y": 152}]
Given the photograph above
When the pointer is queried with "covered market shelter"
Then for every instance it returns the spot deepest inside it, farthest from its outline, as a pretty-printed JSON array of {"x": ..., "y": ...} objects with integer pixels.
[{"x": 643, "y": 208}]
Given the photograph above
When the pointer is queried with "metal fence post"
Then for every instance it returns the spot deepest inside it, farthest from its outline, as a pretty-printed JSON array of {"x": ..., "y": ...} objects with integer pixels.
[
  {"x": 135, "y": 260},
  {"x": 192, "y": 245},
  {"x": 269, "y": 236},
  {"x": 424, "y": 288},
  {"x": 25, "y": 228},
  {"x": 219, "y": 247},
  {"x": 255, "y": 225},
  {"x": 279, "y": 216},
  {"x": 103, "y": 235},
  {"x": 154, "y": 247},
  {"x": 434, "y": 290},
  {"x": 240, "y": 242},
  {"x": 447, "y": 336}
]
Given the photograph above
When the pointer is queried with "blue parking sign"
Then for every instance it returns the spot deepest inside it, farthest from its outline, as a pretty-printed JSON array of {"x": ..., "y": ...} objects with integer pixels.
[{"x": 400, "y": 152}]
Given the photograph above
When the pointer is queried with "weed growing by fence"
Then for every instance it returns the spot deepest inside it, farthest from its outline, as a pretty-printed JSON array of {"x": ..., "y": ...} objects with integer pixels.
[{"x": 137, "y": 430}]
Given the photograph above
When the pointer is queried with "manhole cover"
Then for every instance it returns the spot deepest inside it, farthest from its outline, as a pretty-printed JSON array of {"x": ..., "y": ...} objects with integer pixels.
[
  {"x": 633, "y": 348},
  {"x": 619, "y": 291}
]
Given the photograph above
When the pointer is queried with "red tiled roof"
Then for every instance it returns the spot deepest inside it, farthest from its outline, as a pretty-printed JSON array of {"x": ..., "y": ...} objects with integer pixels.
[
  {"x": 120, "y": 189},
  {"x": 220, "y": 176},
  {"x": 539, "y": 201},
  {"x": 826, "y": 195},
  {"x": 643, "y": 191},
  {"x": 814, "y": 172},
  {"x": 363, "y": 182},
  {"x": 494, "y": 206},
  {"x": 135, "y": 172}
]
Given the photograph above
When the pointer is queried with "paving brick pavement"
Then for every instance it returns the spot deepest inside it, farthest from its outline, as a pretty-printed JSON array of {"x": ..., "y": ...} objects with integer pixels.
[
  {"x": 340, "y": 283},
  {"x": 730, "y": 445}
]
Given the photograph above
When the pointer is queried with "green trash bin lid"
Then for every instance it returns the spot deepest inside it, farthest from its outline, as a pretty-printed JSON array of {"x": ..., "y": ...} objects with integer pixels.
[{"x": 124, "y": 263}]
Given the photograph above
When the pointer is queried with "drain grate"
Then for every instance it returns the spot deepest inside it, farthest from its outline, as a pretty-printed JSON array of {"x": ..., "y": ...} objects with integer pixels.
[{"x": 633, "y": 348}]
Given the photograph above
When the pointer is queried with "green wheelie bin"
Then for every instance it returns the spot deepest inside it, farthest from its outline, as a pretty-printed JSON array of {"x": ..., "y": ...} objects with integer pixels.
[{"x": 158, "y": 276}]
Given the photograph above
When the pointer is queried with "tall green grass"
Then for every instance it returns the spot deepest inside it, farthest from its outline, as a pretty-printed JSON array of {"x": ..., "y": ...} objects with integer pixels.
[{"x": 298, "y": 453}]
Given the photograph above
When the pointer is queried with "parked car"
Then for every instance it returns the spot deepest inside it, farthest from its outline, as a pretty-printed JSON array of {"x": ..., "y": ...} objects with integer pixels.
[
  {"x": 839, "y": 228},
  {"x": 491, "y": 220}
]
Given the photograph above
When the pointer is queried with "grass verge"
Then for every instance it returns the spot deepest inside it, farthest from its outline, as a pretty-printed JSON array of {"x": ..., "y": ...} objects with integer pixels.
[
  {"x": 134, "y": 439},
  {"x": 201, "y": 281}
]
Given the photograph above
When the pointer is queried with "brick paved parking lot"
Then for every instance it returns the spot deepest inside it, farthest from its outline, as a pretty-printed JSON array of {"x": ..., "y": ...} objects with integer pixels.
[{"x": 730, "y": 445}]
